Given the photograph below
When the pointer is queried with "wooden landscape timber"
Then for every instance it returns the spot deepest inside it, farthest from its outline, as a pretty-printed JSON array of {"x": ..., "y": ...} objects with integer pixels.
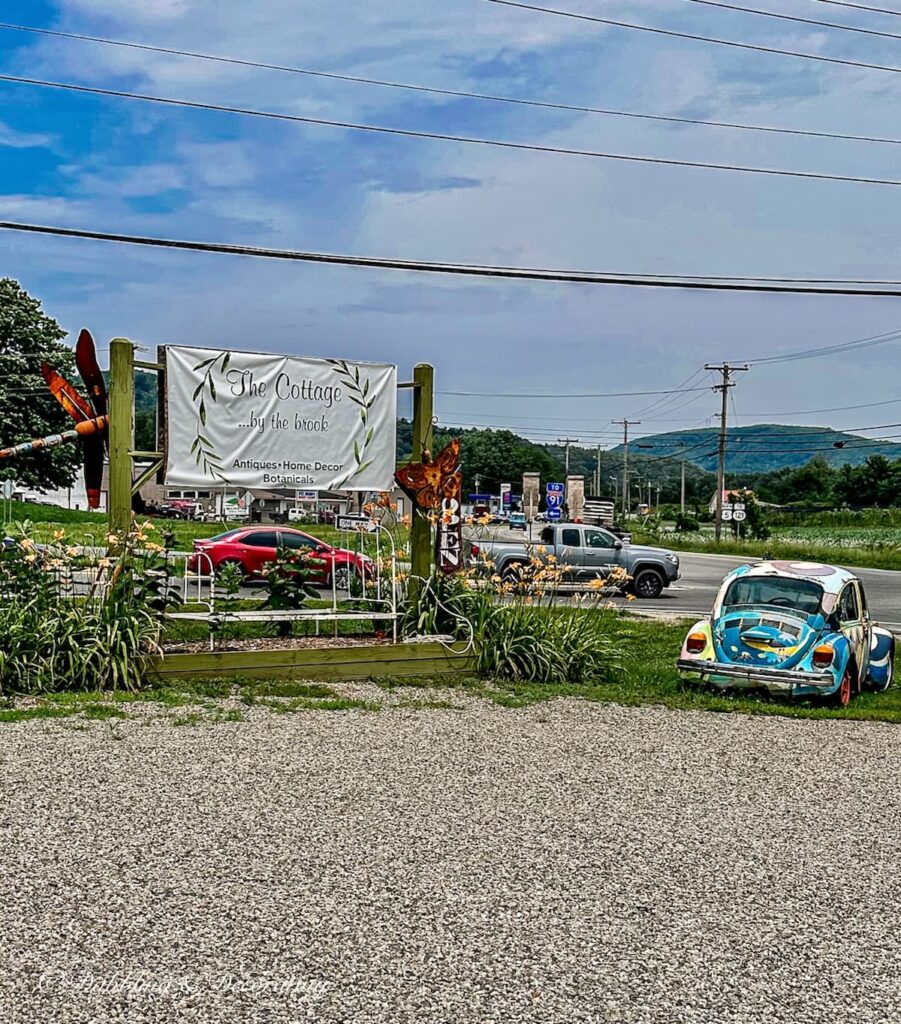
[{"x": 430, "y": 658}]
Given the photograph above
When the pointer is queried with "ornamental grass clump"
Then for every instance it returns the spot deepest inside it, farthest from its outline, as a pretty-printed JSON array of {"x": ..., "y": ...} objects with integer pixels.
[
  {"x": 70, "y": 621},
  {"x": 528, "y": 625}
]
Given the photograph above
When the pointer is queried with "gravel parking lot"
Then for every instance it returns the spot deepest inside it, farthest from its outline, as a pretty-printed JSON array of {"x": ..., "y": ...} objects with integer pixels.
[{"x": 564, "y": 862}]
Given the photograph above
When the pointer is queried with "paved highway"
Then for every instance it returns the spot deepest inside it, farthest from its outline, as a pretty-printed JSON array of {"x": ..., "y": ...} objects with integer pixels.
[{"x": 702, "y": 574}]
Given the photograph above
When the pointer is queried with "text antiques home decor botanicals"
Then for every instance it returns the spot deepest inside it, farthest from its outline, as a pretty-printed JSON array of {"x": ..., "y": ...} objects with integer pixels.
[{"x": 253, "y": 420}]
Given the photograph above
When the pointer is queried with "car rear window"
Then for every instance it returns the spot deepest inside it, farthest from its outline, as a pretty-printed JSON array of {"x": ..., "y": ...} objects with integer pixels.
[
  {"x": 781, "y": 591},
  {"x": 228, "y": 534}
]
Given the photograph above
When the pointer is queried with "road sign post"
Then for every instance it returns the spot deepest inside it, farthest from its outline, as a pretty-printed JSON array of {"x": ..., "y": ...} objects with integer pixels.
[
  {"x": 9, "y": 489},
  {"x": 553, "y": 499}
]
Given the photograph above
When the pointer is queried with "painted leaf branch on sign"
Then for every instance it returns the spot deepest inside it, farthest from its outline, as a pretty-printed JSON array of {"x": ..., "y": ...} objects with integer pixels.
[
  {"x": 202, "y": 448},
  {"x": 358, "y": 393}
]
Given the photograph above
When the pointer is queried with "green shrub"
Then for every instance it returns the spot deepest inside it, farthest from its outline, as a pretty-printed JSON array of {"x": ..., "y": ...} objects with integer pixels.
[
  {"x": 545, "y": 645},
  {"x": 288, "y": 583},
  {"x": 67, "y": 625},
  {"x": 517, "y": 628},
  {"x": 686, "y": 523}
]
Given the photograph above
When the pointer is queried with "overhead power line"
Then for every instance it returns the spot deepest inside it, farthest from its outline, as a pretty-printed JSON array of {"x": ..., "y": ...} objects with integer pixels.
[
  {"x": 828, "y": 350},
  {"x": 657, "y": 403},
  {"x": 832, "y": 408},
  {"x": 592, "y": 394},
  {"x": 469, "y": 140},
  {"x": 859, "y": 7},
  {"x": 796, "y": 18},
  {"x": 457, "y": 93},
  {"x": 467, "y": 270},
  {"x": 697, "y": 38}
]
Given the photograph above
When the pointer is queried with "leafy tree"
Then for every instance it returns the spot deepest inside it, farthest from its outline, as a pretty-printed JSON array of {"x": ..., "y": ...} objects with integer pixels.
[
  {"x": 29, "y": 337},
  {"x": 876, "y": 482},
  {"x": 499, "y": 456},
  {"x": 755, "y": 523}
]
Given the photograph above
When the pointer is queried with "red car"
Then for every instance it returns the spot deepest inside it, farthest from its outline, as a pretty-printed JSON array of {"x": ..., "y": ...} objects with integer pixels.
[{"x": 251, "y": 547}]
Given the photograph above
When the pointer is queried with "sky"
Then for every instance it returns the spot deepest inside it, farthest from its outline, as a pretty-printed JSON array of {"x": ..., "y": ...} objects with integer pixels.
[{"x": 125, "y": 166}]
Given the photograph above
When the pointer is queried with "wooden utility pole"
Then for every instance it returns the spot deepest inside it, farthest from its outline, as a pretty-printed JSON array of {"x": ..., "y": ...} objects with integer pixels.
[
  {"x": 421, "y": 528},
  {"x": 566, "y": 441},
  {"x": 625, "y": 424},
  {"x": 597, "y": 473},
  {"x": 682, "y": 484},
  {"x": 726, "y": 370},
  {"x": 121, "y": 433}
]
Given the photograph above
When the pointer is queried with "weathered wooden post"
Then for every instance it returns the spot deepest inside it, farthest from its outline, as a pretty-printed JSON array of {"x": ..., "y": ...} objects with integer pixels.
[
  {"x": 421, "y": 528},
  {"x": 121, "y": 433}
]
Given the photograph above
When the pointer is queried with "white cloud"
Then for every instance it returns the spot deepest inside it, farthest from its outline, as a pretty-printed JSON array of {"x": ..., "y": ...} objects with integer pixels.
[
  {"x": 219, "y": 164},
  {"x": 23, "y": 140},
  {"x": 143, "y": 10},
  {"x": 242, "y": 180}
]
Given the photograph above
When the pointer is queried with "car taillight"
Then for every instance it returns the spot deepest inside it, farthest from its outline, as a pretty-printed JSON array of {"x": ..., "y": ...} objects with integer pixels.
[
  {"x": 475, "y": 549},
  {"x": 695, "y": 643},
  {"x": 822, "y": 656}
]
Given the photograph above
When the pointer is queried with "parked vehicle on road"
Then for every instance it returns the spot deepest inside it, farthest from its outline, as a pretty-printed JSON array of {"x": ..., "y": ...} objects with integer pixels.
[
  {"x": 163, "y": 510},
  {"x": 797, "y": 628},
  {"x": 251, "y": 547},
  {"x": 517, "y": 521},
  {"x": 186, "y": 508},
  {"x": 234, "y": 513},
  {"x": 585, "y": 553}
]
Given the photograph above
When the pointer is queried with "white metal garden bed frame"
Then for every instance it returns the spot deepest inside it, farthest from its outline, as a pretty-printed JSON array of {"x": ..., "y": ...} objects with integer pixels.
[{"x": 194, "y": 584}]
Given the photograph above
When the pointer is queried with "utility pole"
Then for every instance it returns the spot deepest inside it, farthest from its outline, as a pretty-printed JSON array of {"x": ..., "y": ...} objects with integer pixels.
[
  {"x": 726, "y": 370},
  {"x": 682, "y": 486},
  {"x": 567, "y": 441},
  {"x": 597, "y": 474},
  {"x": 625, "y": 424}
]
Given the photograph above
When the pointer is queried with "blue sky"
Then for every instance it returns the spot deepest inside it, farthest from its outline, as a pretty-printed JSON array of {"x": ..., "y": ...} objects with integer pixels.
[{"x": 120, "y": 165}]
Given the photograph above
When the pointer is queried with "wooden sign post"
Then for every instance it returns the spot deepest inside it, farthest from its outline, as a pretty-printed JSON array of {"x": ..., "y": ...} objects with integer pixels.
[
  {"x": 421, "y": 528},
  {"x": 121, "y": 433}
]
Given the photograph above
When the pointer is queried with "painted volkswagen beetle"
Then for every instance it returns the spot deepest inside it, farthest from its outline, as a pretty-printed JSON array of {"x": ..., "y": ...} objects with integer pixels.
[{"x": 795, "y": 628}]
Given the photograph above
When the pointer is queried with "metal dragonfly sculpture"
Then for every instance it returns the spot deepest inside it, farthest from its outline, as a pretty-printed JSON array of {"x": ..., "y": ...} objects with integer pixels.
[{"x": 91, "y": 416}]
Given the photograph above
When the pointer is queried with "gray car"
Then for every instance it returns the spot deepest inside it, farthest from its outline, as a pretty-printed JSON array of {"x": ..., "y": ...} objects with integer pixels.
[{"x": 587, "y": 552}]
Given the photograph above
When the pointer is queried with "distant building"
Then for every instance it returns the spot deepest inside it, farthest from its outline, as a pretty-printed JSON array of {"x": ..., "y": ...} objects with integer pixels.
[{"x": 729, "y": 496}]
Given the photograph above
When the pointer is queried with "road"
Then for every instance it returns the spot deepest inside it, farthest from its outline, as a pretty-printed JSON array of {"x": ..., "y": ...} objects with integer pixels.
[
  {"x": 702, "y": 574},
  {"x": 692, "y": 596}
]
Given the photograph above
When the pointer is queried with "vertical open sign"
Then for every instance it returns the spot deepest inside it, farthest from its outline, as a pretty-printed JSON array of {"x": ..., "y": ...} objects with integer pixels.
[{"x": 449, "y": 535}]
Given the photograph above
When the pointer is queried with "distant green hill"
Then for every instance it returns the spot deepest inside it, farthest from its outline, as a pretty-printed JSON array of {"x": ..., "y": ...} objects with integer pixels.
[{"x": 765, "y": 446}]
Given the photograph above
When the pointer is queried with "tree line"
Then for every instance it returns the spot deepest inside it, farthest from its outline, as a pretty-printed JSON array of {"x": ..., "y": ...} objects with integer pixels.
[{"x": 875, "y": 483}]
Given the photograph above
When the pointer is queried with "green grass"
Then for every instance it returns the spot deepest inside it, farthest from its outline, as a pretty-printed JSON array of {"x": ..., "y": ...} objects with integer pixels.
[
  {"x": 791, "y": 543},
  {"x": 647, "y": 676},
  {"x": 91, "y": 528}
]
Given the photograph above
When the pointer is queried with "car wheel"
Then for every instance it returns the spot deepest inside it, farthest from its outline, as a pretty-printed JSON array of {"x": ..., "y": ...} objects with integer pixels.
[
  {"x": 343, "y": 577},
  {"x": 647, "y": 583},
  {"x": 842, "y": 696}
]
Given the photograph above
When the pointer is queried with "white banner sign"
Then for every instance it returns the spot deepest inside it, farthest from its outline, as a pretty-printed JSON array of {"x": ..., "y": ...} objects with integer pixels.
[{"x": 265, "y": 421}]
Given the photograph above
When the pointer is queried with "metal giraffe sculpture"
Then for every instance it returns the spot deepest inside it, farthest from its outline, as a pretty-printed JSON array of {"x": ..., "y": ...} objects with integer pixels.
[{"x": 91, "y": 416}]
